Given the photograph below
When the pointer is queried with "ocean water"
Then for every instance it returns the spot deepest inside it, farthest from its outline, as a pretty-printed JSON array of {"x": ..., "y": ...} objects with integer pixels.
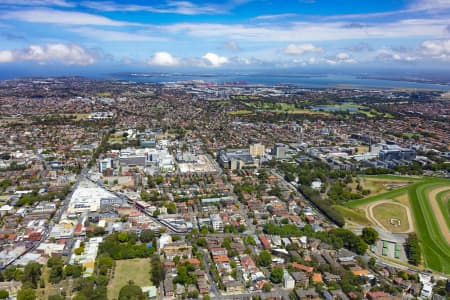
[
  {"x": 300, "y": 80},
  {"x": 304, "y": 81}
]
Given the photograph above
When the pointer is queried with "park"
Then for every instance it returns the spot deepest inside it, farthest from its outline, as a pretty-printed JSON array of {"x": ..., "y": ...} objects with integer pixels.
[{"x": 136, "y": 270}]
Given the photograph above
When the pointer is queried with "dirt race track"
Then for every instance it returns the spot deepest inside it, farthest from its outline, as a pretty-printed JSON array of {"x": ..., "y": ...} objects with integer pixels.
[
  {"x": 437, "y": 211},
  {"x": 370, "y": 214}
]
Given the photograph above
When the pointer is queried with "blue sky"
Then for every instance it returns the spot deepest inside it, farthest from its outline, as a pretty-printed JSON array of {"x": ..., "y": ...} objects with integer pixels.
[{"x": 224, "y": 35}]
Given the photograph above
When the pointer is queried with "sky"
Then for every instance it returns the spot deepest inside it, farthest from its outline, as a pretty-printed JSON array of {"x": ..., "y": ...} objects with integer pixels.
[{"x": 173, "y": 35}]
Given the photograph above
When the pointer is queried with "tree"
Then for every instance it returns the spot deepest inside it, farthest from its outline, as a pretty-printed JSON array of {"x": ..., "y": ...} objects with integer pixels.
[
  {"x": 265, "y": 258},
  {"x": 171, "y": 208},
  {"x": 74, "y": 271},
  {"x": 250, "y": 240},
  {"x": 54, "y": 260},
  {"x": 32, "y": 273},
  {"x": 413, "y": 249},
  {"x": 26, "y": 294},
  {"x": 4, "y": 294},
  {"x": 369, "y": 235},
  {"x": 56, "y": 274},
  {"x": 147, "y": 236},
  {"x": 131, "y": 292},
  {"x": 201, "y": 242},
  {"x": 183, "y": 276},
  {"x": 276, "y": 275},
  {"x": 56, "y": 297},
  {"x": 122, "y": 237},
  {"x": 157, "y": 270}
]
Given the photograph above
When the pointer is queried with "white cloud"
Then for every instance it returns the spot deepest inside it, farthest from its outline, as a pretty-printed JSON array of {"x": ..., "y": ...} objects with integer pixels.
[
  {"x": 276, "y": 16},
  {"x": 169, "y": 7},
  {"x": 214, "y": 60},
  {"x": 405, "y": 55},
  {"x": 6, "y": 56},
  {"x": 68, "y": 54},
  {"x": 61, "y": 3},
  {"x": 341, "y": 58},
  {"x": 293, "y": 49},
  {"x": 439, "y": 49},
  {"x": 430, "y": 5},
  {"x": 54, "y": 16},
  {"x": 163, "y": 59},
  {"x": 310, "y": 32},
  {"x": 110, "y": 35}
]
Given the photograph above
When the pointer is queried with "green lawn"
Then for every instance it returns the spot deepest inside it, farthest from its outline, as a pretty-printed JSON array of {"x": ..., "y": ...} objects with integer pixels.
[
  {"x": 355, "y": 215},
  {"x": 137, "y": 269}
]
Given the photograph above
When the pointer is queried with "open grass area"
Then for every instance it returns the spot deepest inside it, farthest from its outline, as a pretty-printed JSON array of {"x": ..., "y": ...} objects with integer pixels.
[
  {"x": 383, "y": 196},
  {"x": 432, "y": 234},
  {"x": 137, "y": 269},
  {"x": 354, "y": 215},
  {"x": 281, "y": 107},
  {"x": 379, "y": 185},
  {"x": 384, "y": 213},
  {"x": 240, "y": 112}
]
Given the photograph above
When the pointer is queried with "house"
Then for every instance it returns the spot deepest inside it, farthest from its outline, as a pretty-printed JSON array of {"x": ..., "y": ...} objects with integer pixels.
[
  {"x": 179, "y": 290},
  {"x": 193, "y": 261},
  {"x": 380, "y": 295},
  {"x": 203, "y": 286},
  {"x": 306, "y": 294},
  {"x": 317, "y": 278},
  {"x": 265, "y": 242},
  {"x": 339, "y": 294},
  {"x": 179, "y": 249},
  {"x": 234, "y": 287},
  {"x": 327, "y": 295},
  {"x": 218, "y": 251},
  {"x": 301, "y": 279},
  {"x": 168, "y": 287},
  {"x": 221, "y": 258},
  {"x": 331, "y": 277},
  {"x": 288, "y": 281},
  {"x": 360, "y": 272},
  {"x": 302, "y": 267},
  {"x": 6, "y": 209}
]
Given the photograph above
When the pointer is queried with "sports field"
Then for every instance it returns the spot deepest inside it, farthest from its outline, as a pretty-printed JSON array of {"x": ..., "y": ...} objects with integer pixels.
[
  {"x": 428, "y": 203},
  {"x": 137, "y": 270}
]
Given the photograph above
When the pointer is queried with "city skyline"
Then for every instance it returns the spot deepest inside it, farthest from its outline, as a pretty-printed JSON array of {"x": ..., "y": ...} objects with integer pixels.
[{"x": 236, "y": 34}]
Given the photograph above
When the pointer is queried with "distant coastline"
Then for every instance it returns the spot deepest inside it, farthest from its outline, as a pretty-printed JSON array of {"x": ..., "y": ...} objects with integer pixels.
[
  {"x": 302, "y": 80},
  {"x": 338, "y": 81}
]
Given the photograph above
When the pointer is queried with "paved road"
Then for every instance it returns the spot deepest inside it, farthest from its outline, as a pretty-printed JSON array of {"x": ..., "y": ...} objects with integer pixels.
[
  {"x": 56, "y": 218},
  {"x": 214, "y": 287}
]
